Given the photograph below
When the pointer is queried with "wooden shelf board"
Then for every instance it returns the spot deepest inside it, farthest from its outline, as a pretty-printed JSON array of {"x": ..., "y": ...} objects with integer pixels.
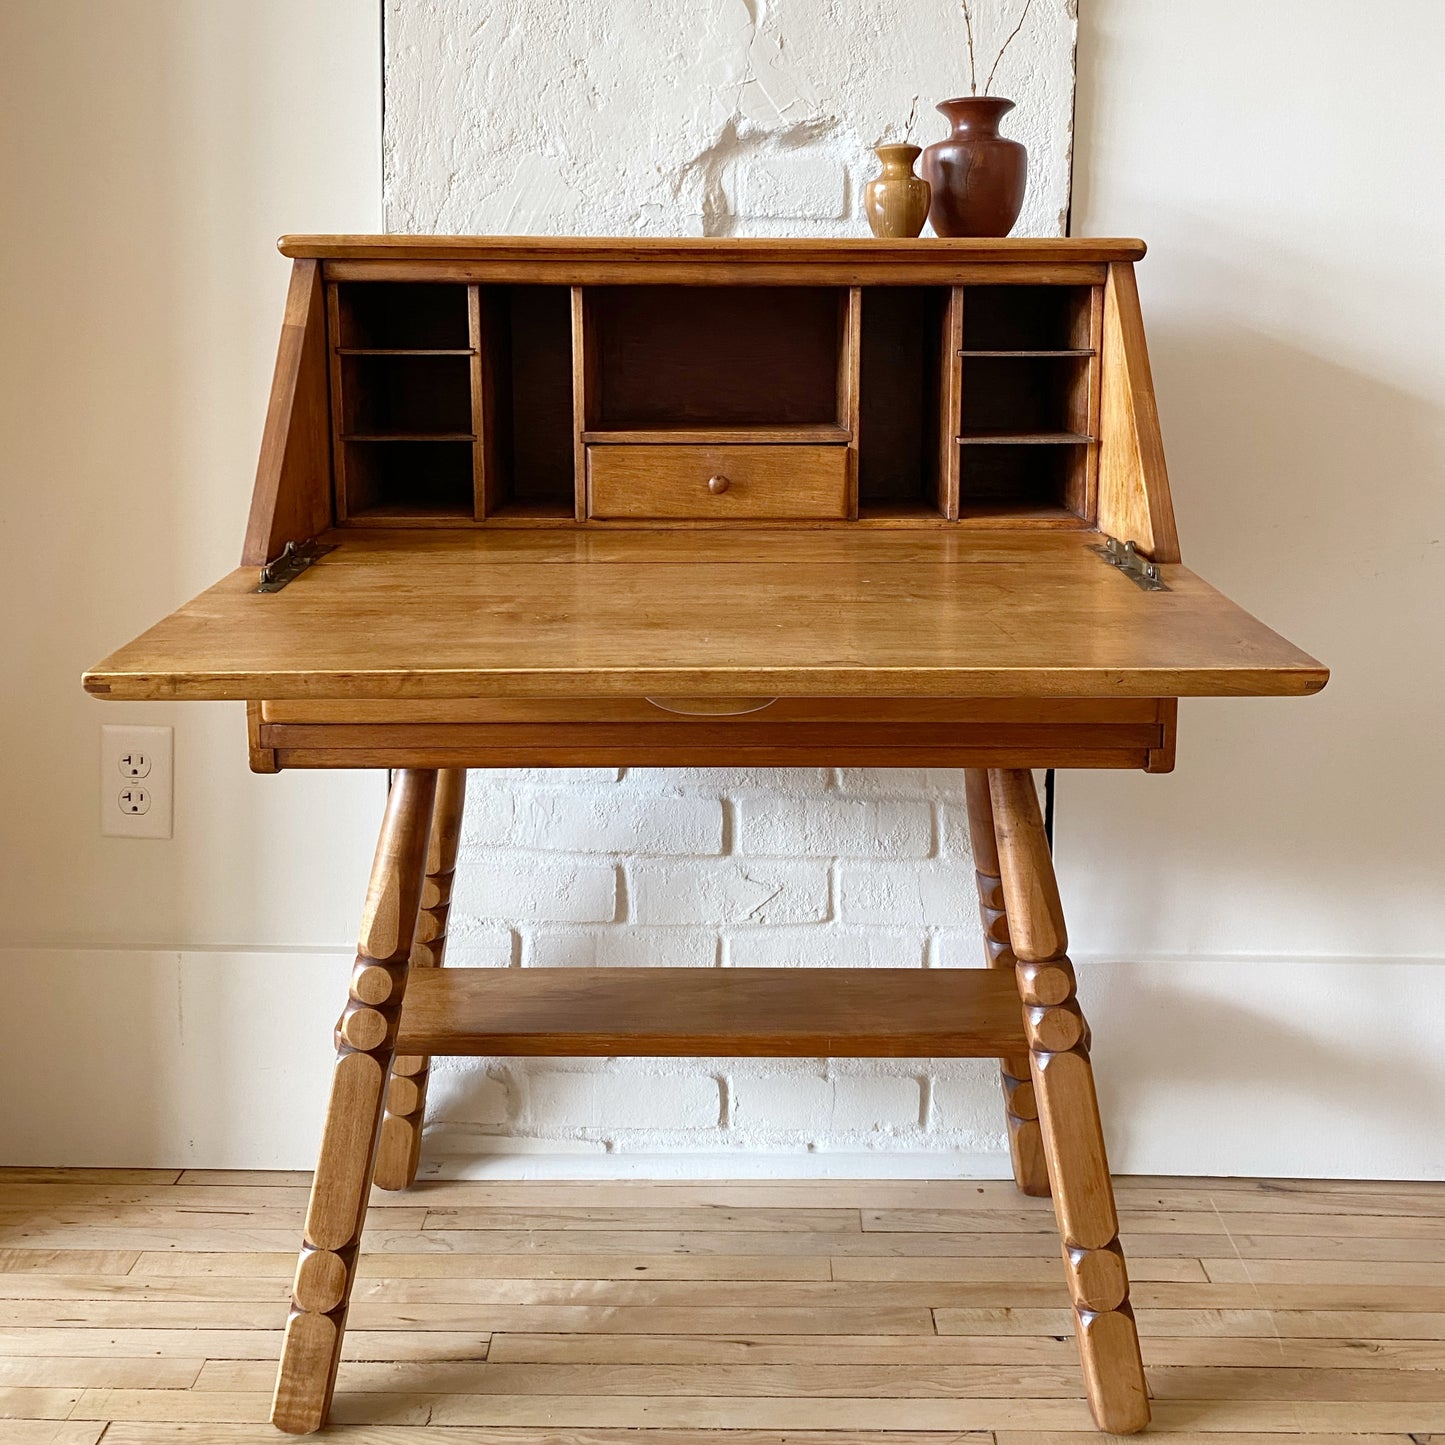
[
  {"x": 413, "y": 515},
  {"x": 719, "y": 435},
  {"x": 533, "y": 511},
  {"x": 1020, "y": 514},
  {"x": 410, "y": 436},
  {"x": 742, "y": 1012},
  {"x": 1027, "y": 439},
  {"x": 907, "y": 510},
  {"x": 406, "y": 351},
  {"x": 1041, "y": 353}
]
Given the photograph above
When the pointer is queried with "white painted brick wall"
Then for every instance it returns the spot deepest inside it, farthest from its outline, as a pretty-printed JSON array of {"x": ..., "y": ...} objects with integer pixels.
[
  {"x": 715, "y": 868},
  {"x": 648, "y": 117}
]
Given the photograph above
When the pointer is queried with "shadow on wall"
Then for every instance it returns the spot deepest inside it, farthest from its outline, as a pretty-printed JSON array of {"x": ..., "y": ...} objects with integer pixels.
[
  {"x": 1297, "y": 481},
  {"x": 1199, "y": 1070}
]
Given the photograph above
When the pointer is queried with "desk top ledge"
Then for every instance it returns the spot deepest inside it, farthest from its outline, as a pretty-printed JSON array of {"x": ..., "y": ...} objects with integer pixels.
[{"x": 1040, "y": 250}]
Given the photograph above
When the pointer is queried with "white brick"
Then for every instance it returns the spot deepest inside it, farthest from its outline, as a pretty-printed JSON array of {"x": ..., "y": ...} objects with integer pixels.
[
  {"x": 968, "y": 1098},
  {"x": 470, "y": 946},
  {"x": 901, "y": 782},
  {"x": 811, "y": 1104},
  {"x": 958, "y": 948},
  {"x": 447, "y": 1145},
  {"x": 825, "y": 945},
  {"x": 864, "y": 1104},
  {"x": 780, "y": 1103},
  {"x": 953, "y": 836},
  {"x": 567, "y": 1100},
  {"x": 596, "y": 821},
  {"x": 907, "y": 893},
  {"x": 461, "y": 1094},
  {"x": 728, "y": 892},
  {"x": 524, "y": 889},
  {"x": 622, "y": 945},
  {"x": 481, "y": 779},
  {"x": 774, "y": 782},
  {"x": 833, "y": 826}
]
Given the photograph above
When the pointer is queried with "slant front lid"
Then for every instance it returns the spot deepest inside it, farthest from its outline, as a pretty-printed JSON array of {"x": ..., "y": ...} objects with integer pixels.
[{"x": 451, "y": 614}]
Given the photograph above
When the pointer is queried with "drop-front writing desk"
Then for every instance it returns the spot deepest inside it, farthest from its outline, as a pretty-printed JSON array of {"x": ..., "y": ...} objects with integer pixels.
[{"x": 775, "y": 503}]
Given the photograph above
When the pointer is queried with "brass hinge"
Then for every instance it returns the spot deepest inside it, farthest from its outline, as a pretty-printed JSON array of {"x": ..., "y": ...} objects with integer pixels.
[
  {"x": 295, "y": 558},
  {"x": 1139, "y": 570}
]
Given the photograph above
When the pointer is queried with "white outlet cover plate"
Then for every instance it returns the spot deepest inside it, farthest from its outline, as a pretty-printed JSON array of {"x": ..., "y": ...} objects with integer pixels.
[{"x": 158, "y": 747}]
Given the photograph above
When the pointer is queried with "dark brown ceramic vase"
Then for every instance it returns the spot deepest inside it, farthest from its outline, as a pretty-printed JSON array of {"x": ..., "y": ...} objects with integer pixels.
[{"x": 977, "y": 176}]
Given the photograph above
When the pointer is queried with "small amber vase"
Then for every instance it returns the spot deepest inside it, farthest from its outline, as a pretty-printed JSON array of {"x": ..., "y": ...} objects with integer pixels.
[
  {"x": 895, "y": 200},
  {"x": 977, "y": 175}
]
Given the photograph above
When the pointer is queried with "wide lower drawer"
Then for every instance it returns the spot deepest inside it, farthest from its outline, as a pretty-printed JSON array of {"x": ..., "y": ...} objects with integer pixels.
[{"x": 702, "y": 483}]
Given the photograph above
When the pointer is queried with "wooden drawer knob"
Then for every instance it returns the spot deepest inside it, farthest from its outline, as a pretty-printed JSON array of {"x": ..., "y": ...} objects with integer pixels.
[{"x": 717, "y": 484}]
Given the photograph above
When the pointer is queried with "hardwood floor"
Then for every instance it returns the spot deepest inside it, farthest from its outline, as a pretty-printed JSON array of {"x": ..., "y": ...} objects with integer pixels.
[{"x": 144, "y": 1306}]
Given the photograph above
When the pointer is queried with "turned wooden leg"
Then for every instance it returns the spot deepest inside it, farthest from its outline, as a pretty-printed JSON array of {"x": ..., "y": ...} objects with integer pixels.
[
  {"x": 1073, "y": 1141},
  {"x": 399, "y": 1149},
  {"x": 365, "y": 1042},
  {"x": 1020, "y": 1109}
]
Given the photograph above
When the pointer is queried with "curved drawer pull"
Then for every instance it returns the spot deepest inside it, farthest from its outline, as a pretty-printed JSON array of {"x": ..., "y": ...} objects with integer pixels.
[
  {"x": 712, "y": 706},
  {"x": 717, "y": 484}
]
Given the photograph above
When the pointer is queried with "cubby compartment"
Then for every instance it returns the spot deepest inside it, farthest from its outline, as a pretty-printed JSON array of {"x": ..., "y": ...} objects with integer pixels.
[
  {"x": 1028, "y": 319},
  {"x": 528, "y": 426},
  {"x": 716, "y": 360},
  {"x": 1037, "y": 397},
  {"x": 402, "y": 316},
  {"x": 1020, "y": 479},
  {"x": 398, "y": 481},
  {"x": 390, "y": 395},
  {"x": 900, "y": 449}
]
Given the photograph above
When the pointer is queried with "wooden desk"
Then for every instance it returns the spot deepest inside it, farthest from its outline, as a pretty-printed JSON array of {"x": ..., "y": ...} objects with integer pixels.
[{"x": 574, "y": 502}]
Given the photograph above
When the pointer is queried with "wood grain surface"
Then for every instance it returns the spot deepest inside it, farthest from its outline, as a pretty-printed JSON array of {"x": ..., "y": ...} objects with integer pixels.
[
  {"x": 771, "y": 1012},
  {"x": 453, "y": 614},
  {"x": 565, "y": 1331}
]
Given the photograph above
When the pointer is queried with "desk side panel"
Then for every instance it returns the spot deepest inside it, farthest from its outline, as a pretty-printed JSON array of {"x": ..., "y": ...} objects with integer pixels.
[{"x": 292, "y": 497}]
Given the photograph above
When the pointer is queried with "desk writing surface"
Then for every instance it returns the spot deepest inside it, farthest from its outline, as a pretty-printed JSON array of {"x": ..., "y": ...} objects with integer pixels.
[{"x": 805, "y": 613}]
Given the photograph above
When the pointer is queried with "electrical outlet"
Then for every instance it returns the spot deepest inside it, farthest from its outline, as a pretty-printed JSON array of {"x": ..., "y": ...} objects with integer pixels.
[{"x": 136, "y": 782}]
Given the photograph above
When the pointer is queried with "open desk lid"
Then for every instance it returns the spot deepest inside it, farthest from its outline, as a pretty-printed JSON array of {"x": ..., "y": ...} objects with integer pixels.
[{"x": 802, "y": 613}]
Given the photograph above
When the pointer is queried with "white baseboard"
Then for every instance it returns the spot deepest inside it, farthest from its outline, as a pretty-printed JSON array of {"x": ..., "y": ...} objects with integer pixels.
[
  {"x": 220, "y": 1059},
  {"x": 795, "y": 1164}
]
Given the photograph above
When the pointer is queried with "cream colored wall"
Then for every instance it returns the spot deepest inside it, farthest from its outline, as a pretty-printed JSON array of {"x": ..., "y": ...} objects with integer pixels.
[
  {"x": 1259, "y": 933},
  {"x": 153, "y": 152},
  {"x": 1282, "y": 161}
]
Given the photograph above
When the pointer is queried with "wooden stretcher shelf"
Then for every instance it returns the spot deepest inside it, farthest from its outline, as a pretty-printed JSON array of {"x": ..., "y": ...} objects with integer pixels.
[{"x": 746, "y": 1012}]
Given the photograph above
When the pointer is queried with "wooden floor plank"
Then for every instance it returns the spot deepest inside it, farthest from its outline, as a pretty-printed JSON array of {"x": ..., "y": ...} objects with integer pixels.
[
  {"x": 222, "y": 1344},
  {"x": 21, "y": 1174},
  {"x": 386, "y": 1314},
  {"x": 68, "y": 1261},
  {"x": 35, "y": 1402},
  {"x": 148, "y": 1434},
  {"x": 987, "y": 1349},
  {"x": 394, "y": 1265},
  {"x": 147, "y": 1305},
  {"x": 51, "y": 1432},
  {"x": 1255, "y": 1323},
  {"x": 900, "y": 1382},
  {"x": 72, "y": 1372}
]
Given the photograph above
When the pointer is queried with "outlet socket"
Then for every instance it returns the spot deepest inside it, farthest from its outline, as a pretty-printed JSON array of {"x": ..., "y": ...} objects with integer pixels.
[{"x": 136, "y": 782}]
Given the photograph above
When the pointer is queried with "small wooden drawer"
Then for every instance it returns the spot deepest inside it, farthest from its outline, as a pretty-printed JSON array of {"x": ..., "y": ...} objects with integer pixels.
[{"x": 689, "y": 483}]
